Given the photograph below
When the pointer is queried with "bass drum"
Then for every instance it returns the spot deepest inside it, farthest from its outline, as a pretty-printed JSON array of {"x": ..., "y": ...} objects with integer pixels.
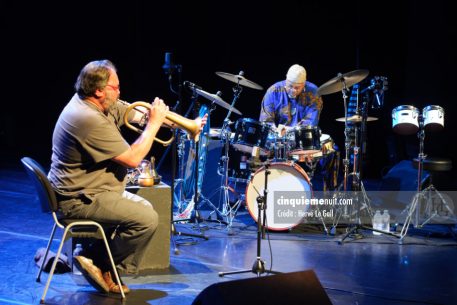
[{"x": 283, "y": 177}]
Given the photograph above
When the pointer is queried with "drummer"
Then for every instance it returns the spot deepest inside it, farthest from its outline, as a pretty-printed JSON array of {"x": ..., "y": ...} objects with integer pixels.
[{"x": 293, "y": 101}]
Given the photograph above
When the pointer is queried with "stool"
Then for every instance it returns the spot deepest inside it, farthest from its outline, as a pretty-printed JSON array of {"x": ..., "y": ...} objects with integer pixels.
[{"x": 433, "y": 210}]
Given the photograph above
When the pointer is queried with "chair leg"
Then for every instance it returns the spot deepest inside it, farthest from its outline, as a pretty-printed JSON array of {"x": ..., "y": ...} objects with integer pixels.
[
  {"x": 116, "y": 274},
  {"x": 54, "y": 264},
  {"x": 47, "y": 252}
]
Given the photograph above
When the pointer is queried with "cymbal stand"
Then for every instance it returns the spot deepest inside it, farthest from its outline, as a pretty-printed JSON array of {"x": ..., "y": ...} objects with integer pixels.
[
  {"x": 258, "y": 267},
  {"x": 343, "y": 212},
  {"x": 227, "y": 210},
  {"x": 358, "y": 187}
]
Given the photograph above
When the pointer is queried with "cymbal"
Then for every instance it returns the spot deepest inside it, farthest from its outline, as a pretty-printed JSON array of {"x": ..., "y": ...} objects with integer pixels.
[
  {"x": 217, "y": 100},
  {"x": 239, "y": 79},
  {"x": 336, "y": 83},
  {"x": 357, "y": 119}
]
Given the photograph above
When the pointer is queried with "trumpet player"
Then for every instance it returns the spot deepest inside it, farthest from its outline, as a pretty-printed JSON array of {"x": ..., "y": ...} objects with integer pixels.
[{"x": 89, "y": 165}]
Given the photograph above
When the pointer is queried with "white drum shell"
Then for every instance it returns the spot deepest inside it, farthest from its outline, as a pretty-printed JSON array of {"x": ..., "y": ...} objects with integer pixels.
[
  {"x": 405, "y": 119},
  {"x": 433, "y": 117},
  {"x": 284, "y": 176}
]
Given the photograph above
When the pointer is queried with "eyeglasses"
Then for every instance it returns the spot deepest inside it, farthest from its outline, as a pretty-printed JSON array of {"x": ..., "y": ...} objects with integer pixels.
[
  {"x": 295, "y": 87},
  {"x": 115, "y": 88}
]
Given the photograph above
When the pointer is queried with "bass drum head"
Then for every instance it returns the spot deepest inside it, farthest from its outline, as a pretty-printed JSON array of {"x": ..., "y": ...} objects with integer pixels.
[{"x": 284, "y": 176}]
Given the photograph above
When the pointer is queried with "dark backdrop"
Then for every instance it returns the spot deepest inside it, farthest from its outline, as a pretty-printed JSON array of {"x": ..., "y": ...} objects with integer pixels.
[{"x": 44, "y": 46}]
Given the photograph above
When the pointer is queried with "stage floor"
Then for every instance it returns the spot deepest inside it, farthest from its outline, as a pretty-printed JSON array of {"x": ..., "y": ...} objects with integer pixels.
[{"x": 370, "y": 270}]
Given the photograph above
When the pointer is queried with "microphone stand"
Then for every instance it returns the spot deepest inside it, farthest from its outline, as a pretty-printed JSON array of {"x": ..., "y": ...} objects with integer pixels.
[{"x": 259, "y": 265}]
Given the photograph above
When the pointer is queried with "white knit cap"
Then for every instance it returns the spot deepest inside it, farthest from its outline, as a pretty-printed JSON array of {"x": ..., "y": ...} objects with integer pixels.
[{"x": 296, "y": 74}]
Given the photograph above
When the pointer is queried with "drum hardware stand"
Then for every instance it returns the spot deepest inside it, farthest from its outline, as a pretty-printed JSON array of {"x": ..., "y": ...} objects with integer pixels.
[
  {"x": 429, "y": 190},
  {"x": 169, "y": 71},
  {"x": 200, "y": 198},
  {"x": 347, "y": 145},
  {"x": 227, "y": 211},
  {"x": 195, "y": 216},
  {"x": 357, "y": 184},
  {"x": 258, "y": 267},
  {"x": 358, "y": 187},
  {"x": 417, "y": 199}
]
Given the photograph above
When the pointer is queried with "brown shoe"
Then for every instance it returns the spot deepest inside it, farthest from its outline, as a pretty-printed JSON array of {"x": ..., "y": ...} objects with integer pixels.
[
  {"x": 92, "y": 273},
  {"x": 112, "y": 286}
]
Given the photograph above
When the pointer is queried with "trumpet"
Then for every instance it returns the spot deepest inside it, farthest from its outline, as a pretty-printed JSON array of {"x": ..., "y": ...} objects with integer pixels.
[{"x": 192, "y": 127}]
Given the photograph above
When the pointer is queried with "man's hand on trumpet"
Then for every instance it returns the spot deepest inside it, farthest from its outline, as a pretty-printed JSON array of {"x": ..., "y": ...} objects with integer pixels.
[
  {"x": 157, "y": 112},
  {"x": 203, "y": 121}
]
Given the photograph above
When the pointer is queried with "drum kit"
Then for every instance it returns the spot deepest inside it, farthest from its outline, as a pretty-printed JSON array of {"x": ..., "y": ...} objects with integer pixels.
[
  {"x": 254, "y": 149},
  {"x": 291, "y": 155}
]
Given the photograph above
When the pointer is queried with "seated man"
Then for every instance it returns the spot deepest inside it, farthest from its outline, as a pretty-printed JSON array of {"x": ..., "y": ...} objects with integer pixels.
[
  {"x": 292, "y": 103},
  {"x": 89, "y": 166}
]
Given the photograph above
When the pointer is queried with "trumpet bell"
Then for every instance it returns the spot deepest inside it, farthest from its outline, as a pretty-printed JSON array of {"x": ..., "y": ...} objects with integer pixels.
[{"x": 192, "y": 127}]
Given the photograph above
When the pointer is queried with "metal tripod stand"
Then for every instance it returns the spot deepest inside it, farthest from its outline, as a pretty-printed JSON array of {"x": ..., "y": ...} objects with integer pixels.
[
  {"x": 229, "y": 211},
  {"x": 417, "y": 199},
  {"x": 258, "y": 267}
]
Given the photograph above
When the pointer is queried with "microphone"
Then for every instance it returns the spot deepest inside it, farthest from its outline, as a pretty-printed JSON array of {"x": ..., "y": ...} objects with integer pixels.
[
  {"x": 168, "y": 66},
  {"x": 191, "y": 86}
]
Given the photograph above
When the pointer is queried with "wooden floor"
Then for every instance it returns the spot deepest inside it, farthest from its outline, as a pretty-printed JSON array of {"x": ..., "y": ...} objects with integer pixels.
[{"x": 369, "y": 270}]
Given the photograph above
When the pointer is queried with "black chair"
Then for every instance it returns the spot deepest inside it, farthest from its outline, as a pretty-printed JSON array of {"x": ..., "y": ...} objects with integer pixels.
[{"x": 73, "y": 228}]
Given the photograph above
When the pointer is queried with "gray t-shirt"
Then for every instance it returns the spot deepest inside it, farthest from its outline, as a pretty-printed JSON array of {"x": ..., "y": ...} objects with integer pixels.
[{"x": 83, "y": 143}]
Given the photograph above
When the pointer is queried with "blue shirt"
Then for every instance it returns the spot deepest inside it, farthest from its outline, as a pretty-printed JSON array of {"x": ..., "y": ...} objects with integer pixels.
[{"x": 279, "y": 108}]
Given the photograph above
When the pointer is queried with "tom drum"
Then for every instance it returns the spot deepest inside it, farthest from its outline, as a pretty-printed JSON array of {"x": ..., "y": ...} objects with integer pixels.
[
  {"x": 433, "y": 118},
  {"x": 250, "y": 133},
  {"x": 405, "y": 120}
]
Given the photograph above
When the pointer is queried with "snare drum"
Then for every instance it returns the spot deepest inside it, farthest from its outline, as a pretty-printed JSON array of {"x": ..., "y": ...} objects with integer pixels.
[
  {"x": 250, "y": 133},
  {"x": 282, "y": 177},
  {"x": 304, "y": 140},
  {"x": 405, "y": 119},
  {"x": 433, "y": 118}
]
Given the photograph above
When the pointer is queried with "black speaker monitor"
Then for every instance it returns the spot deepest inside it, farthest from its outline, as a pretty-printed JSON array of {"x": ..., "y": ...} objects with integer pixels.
[{"x": 299, "y": 288}]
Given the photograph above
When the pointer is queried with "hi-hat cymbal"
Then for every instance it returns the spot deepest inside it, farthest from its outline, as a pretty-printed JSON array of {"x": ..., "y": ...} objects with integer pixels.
[
  {"x": 337, "y": 83},
  {"x": 357, "y": 119},
  {"x": 217, "y": 100},
  {"x": 239, "y": 79}
]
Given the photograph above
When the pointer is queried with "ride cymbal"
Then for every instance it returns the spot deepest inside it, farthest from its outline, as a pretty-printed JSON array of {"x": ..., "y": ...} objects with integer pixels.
[
  {"x": 337, "y": 83},
  {"x": 217, "y": 100},
  {"x": 239, "y": 79}
]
